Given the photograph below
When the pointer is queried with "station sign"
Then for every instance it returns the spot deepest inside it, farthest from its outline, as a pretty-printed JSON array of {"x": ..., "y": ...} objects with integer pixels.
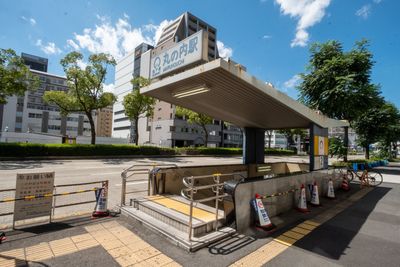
[
  {"x": 320, "y": 152},
  {"x": 183, "y": 53},
  {"x": 29, "y": 185}
]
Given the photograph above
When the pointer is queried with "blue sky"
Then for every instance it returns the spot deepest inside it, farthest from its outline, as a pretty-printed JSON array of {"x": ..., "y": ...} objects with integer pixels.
[{"x": 269, "y": 37}]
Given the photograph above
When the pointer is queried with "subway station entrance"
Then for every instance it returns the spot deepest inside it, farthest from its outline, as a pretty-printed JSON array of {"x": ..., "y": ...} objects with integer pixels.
[{"x": 195, "y": 206}]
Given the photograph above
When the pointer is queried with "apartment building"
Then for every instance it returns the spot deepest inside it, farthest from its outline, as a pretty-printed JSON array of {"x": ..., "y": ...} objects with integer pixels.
[{"x": 30, "y": 114}]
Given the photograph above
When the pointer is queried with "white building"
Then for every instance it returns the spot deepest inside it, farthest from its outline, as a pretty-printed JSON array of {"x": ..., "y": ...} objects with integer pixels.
[{"x": 29, "y": 113}]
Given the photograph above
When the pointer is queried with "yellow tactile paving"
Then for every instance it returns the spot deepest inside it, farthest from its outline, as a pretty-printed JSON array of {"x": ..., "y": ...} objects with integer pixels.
[
  {"x": 285, "y": 240},
  {"x": 80, "y": 238},
  {"x": 86, "y": 244},
  {"x": 311, "y": 223},
  {"x": 140, "y": 244},
  {"x": 146, "y": 253},
  {"x": 293, "y": 235},
  {"x": 38, "y": 252},
  {"x": 307, "y": 226},
  {"x": 300, "y": 230},
  {"x": 63, "y": 246},
  {"x": 184, "y": 208},
  {"x": 15, "y": 253},
  {"x": 158, "y": 260}
]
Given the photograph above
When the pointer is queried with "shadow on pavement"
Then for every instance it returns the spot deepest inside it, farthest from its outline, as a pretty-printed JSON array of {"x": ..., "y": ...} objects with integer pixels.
[
  {"x": 230, "y": 244},
  {"x": 333, "y": 237},
  {"x": 29, "y": 164}
]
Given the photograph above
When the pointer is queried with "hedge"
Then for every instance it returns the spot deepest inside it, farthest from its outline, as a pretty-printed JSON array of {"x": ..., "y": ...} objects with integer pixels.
[{"x": 50, "y": 150}]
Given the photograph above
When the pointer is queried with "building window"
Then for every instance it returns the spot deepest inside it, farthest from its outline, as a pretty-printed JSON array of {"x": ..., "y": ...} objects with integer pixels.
[{"x": 172, "y": 128}]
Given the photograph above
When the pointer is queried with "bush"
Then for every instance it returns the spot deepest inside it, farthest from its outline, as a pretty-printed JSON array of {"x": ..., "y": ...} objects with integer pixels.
[
  {"x": 49, "y": 150},
  {"x": 21, "y": 150}
]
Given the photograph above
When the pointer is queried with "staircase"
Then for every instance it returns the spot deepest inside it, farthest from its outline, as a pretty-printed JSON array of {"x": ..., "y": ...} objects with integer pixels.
[{"x": 170, "y": 216}]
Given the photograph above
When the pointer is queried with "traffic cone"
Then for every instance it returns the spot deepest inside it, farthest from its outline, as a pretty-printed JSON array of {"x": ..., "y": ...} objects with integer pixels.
[
  {"x": 100, "y": 209},
  {"x": 2, "y": 237},
  {"x": 345, "y": 184},
  {"x": 331, "y": 190},
  {"x": 262, "y": 219},
  {"x": 314, "y": 195},
  {"x": 302, "y": 204}
]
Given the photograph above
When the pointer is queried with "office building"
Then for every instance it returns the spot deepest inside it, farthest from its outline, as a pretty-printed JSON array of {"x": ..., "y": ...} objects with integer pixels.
[
  {"x": 29, "y": 113},
  {"x": 104, "y": 121}
]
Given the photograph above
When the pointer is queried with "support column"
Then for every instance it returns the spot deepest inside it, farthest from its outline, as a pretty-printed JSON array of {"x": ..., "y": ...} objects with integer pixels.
[
  {"x": 318, "y": 148},
  {"x": 253, "y": 145},
  {"x": 346, "y": 142}
]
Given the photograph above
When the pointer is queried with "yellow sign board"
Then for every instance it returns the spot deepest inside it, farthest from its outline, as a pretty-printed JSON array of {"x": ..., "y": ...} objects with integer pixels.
[{"x": 320, "y": 146}]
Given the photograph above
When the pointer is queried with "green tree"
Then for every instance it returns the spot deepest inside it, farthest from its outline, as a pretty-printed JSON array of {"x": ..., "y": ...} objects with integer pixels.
[
  {"x": 391, "y": 135},
  {"x": 15, "y": 77},
  {"x": 196, "y": 118},
  {"x": 375, "y": 124},
  {"x": 85, "y": 87},
  {"x": 268, "y": 133},
  {"x": 337, "y": 147},
  {"x": 338, "y": 83},
  {"x": 137, "y": 105}
]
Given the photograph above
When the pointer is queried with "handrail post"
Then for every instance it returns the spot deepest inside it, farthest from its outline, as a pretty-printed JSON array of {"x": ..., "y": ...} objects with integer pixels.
[
  {"x": 216, "y": 181},
  {"x": 191, "y": 214},
  {"x": 123, "y": 189}
]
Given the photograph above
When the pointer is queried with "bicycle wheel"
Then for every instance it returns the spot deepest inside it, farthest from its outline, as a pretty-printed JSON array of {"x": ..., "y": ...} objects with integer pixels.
[
  {"x": 374, "y": 178},
  {"x": 349, "y": 175}
]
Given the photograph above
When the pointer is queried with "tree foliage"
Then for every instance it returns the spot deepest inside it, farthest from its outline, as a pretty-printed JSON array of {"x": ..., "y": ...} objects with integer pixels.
[
  {"x": 196, "y": 118},
  {"x": 380, "y": 122},
  {"x": 85, "y": 87},
  {"x": 137, "y": 105},
  {"x": 338, "y": 82},
  {"x": 337, "y": 147},
  {"x": 15, "y": 77}
]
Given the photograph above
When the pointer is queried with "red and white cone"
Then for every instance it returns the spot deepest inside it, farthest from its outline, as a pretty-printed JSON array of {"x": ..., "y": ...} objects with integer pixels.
[
  {"x": 302, "y": 204},
  {"x": 262, "y": 215},
  {"x": 315, "y": 196},
  {"x": 345, "y": 184},
  {"x": 331, "y": 190},
  {"x": 2, "y": 237},
  {"x": 100, "y": 209}
]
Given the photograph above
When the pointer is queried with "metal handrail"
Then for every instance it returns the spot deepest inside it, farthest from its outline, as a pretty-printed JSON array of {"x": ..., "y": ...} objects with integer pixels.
[
  {"x": 135, "y": 170},
  {"x": 191, "y": 189}
]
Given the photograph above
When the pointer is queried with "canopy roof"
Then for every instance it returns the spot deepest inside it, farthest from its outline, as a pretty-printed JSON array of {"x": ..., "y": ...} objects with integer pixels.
[{"x": 224, "y": 91}]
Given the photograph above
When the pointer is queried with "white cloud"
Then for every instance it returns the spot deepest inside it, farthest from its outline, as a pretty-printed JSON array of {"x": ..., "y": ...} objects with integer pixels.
[
  {"x": 109, "y": 88},
  {"x": 116, "y": 39},
  {"x": 377, "y": 1},
  {"x": 32, "y": 21},
  {"x": 307, "y": 12},
  {"x": 82, "y": 64},
  {"x": 72, "y": 44},
  {"x": 265, "y": 37},
  {"x": 224, "y": 51},
  {"x": 292, "y": 82},
  {"x": 364, "y": 11},
  {"x": 50, "y": 48}
]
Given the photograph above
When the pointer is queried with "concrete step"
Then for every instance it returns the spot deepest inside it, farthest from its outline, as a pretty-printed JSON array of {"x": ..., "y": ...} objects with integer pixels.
[
  {"x": 177, "y": 237},
  {"x": 174, "y": 211}
]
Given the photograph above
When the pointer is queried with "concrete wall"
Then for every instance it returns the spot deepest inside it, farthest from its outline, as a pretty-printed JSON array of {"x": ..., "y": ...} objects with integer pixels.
[
  {"x": 276, "y": 205},
  {"x": 11, "y": 137}
]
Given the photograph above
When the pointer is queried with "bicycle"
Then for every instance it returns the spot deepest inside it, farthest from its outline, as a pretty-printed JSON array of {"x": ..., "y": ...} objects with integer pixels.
[
  {"x": 344, "y": 172},
  {"x": 369, "y": 177}
]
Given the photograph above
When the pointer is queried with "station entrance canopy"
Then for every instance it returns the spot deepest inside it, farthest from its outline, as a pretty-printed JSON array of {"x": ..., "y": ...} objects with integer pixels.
[{"x": 224, "y": 91}]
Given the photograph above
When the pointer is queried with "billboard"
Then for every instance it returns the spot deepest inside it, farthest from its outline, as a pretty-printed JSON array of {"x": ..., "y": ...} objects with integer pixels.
[{"x": 186, "y": 52}]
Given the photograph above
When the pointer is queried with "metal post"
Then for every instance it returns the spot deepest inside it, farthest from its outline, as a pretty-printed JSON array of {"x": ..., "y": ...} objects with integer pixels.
[
  {"x": 191, "y": 213},
  {"x": 123, "y": 190},
  {"x": 54, "y": 203},
  {"x": 216, "y": 180}
]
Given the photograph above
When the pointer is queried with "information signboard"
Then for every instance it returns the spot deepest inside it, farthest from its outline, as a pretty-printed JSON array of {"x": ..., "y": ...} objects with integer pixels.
[{"x": 33, "y": 184}]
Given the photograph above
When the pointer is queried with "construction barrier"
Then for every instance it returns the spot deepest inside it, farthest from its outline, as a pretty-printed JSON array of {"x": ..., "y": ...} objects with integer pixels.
[{"x": 64, "y": 196}]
